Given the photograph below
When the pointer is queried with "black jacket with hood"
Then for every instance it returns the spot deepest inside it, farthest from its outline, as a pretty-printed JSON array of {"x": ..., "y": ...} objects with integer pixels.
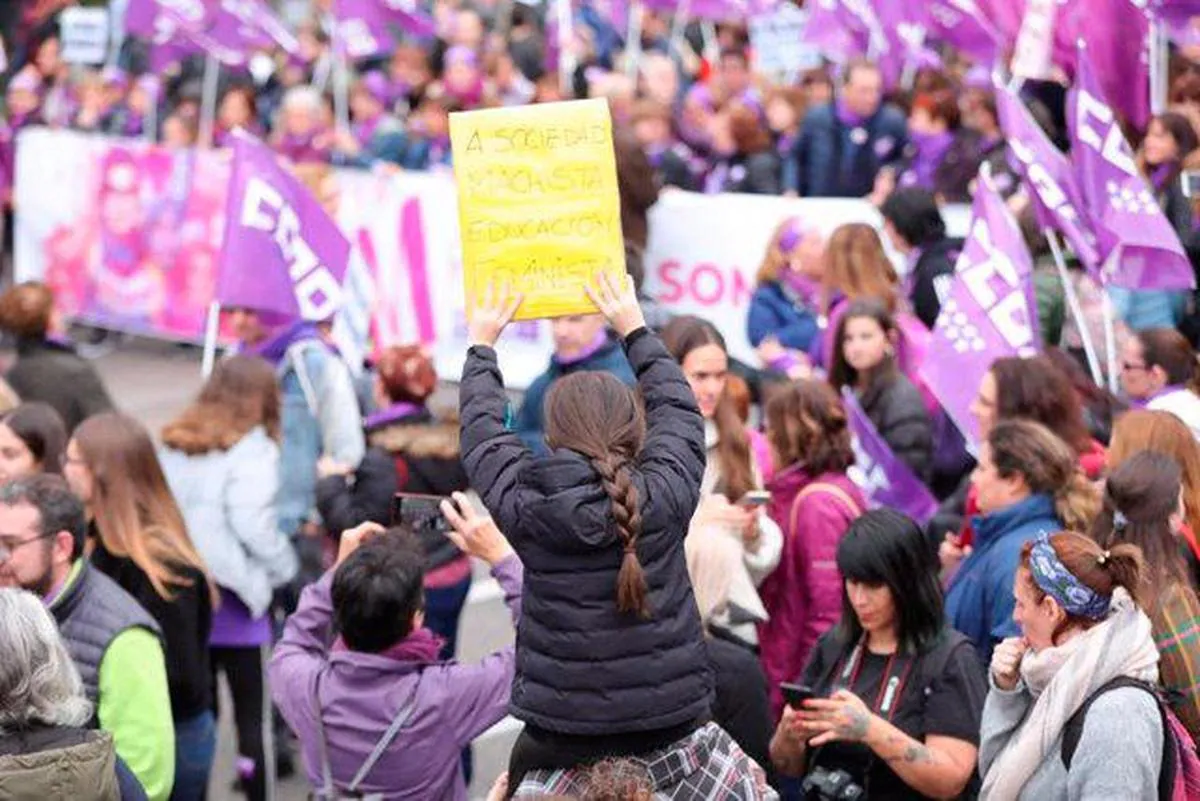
[{"x": 583, "y": 667}]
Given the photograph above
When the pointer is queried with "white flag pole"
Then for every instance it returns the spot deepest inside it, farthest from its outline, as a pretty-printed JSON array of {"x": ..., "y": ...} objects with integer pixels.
[
  {"x": 1158, "y": 47},
  {"x": 211, "y": 328},
  {"x": 208, "y": 99},
  {"x": 633, "y": 41},
  {"x": 566, "y": 46},
  {"x": 1085, "y": 332}
]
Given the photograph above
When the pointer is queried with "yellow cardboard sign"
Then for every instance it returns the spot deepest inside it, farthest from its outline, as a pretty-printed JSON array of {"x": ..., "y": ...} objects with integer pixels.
[{"x": 537, "y": 202}]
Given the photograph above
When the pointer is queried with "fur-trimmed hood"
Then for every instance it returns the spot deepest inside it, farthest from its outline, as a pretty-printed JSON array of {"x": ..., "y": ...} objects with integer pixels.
[{"x": 437, "y": 439}]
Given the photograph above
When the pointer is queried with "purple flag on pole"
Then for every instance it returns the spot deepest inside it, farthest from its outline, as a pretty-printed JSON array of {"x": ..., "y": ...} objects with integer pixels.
[
  {"x": 964, "y": 24},
  {"x": 361, "y": 31},
  {"x": 1136, "y": 244},
  {"x": 282, "y": 252},
  {"x": 884, "y": 479},
  {"x": 407, "y": 15},
  {"x": 1117, "y": 34},
  {"x": 987, "y": 314},
  {"x": 834, "y": 30},
  {"x": 1048, "y": 176}
]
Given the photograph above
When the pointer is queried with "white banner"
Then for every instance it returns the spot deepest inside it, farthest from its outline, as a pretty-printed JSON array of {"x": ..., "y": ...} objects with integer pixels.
[
  {"x": 153, "y": 216},
  {"x": 84, "y": 35},
  {"x": 705, "y": 251}
]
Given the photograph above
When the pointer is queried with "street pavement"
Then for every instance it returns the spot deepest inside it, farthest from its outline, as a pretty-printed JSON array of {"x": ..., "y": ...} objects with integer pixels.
[{"x": 154, "y": 381}]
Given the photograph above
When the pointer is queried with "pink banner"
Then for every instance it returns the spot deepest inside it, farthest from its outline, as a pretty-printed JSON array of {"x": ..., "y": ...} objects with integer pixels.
[{"x": 142, "y": 256}]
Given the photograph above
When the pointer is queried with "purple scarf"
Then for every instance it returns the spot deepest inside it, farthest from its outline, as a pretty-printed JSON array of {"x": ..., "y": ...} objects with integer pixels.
[
  {"x": 1161, "y": 174},
  {"x": 806, "y": 290},
  {"x": 421, "y": 646},
  {"x": 1144, "y": 402},
  {"x": 275, "y": 347},
  {"x": 847, "y": 117},
  {"x": 392, "y": 414},
  {"x": 931, "y": 150},
  {"x": 364, "y": 130},
  {"x": 784, "y": 144},
  {"x": 299, "y": 148},
  {"x": 591, "y": 350}
]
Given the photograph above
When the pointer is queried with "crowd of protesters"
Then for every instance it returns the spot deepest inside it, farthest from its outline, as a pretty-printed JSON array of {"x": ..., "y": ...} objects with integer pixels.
[{"x": 707, "y": 604}]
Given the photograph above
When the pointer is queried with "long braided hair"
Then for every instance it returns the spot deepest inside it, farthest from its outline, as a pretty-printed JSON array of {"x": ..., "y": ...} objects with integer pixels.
[{"x": 594, "y": 414}]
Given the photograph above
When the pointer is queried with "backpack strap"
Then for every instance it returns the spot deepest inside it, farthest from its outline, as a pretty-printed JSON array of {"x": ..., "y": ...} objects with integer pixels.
[
  {"x": 1073, "y": 730},
  {"x": 827, "y": 488},
  {"x": 328, "y": 791}
]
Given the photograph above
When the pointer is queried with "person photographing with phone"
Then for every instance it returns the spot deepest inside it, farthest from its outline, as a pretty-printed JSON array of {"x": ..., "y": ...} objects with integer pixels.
[
  {"x": 888, "y": 706},
  {"x": 732, "y": 499},
  {"x": 611, "y": 653},
  {"x": 364, "y": 706}
]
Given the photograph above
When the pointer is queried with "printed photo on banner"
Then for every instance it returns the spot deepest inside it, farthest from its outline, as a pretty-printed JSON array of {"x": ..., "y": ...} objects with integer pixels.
[{"x": 538, "y": 202}]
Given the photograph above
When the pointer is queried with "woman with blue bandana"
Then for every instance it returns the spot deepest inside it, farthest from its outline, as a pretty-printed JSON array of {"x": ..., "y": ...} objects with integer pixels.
[{"x": 1071, "y": 714}]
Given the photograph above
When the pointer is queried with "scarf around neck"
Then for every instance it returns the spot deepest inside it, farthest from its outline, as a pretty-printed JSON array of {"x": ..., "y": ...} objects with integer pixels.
[{"x": 1060, "y": 679}]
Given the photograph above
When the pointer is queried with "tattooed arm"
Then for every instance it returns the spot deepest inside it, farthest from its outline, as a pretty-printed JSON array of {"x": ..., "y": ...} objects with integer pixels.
[{"x": 940, "y": 767}]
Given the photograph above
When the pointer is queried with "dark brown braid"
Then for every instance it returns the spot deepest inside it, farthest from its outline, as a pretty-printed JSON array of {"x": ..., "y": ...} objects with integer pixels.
[
  {"x": 594, "y": 414},
  {"x": 631, "y": 581}
]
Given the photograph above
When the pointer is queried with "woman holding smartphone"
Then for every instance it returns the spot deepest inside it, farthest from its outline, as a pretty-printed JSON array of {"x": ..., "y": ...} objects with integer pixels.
[
  {"x": 731, "y": 494},
  {"x": 897, "y": 694}
]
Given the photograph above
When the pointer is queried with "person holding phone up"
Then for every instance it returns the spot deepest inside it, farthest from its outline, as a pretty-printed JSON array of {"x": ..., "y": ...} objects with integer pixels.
[
  {"x": 896, "y": 695},
  {"x": 363, "y": 706}
]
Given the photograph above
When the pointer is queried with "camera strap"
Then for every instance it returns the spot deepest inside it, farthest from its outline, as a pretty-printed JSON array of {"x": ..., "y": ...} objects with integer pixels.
[{"x": 895, "y": 677}]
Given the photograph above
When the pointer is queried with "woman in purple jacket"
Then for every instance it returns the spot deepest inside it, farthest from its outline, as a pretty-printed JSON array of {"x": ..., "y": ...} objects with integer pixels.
[{"x": 814, "y": 502}]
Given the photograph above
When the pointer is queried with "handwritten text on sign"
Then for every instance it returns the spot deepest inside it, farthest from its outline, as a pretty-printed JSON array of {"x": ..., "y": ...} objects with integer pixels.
[{"x": 537, "y": 200}]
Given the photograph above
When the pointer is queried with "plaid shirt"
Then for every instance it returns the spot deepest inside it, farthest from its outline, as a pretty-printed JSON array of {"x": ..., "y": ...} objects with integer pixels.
[
  {"x": 707, "y": 764},
  {"x": 1177, "y": 635}
]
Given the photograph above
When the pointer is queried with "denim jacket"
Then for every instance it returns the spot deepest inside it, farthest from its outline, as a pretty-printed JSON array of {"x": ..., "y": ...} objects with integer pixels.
[{"x": 320, "y": 415}]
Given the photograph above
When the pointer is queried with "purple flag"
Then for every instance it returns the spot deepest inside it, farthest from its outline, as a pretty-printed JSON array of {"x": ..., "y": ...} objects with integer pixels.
[
  {"x": 283, "y": 253},
  {"x": 226, "y": 30},
  {"x": 408, "y": 16},
  {"x": 884, "y": 479},
  {"x": 835, "y": 30},
  {"x": 964, "y": 24},
  {"x": 361, "y": 31},
  {"x": 1136, "y": 244},
  {"x": 1117, "y": 34},
  {"x": 987, "y": 314},
  {"x": 1048, "y": 177}
]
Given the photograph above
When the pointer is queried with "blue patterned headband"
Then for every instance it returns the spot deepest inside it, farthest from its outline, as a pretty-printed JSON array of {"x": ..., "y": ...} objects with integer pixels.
[{"x": 1052, "y": 576}]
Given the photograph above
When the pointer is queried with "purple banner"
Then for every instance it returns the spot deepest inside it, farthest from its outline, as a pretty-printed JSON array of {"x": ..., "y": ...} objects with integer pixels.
[
  {"x": 1136, "y": 244},
  {"x": 1116, "y": 33},
  {"x": 1048, "y": 177},
  {"x": 987, "y": 314},
  {"x": 282, "y": 252},
  {"x": 884, "y": 479}
]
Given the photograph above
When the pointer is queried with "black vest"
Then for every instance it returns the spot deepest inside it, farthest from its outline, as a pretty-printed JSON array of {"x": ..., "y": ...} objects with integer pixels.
[{"x": 90, "y": 614}]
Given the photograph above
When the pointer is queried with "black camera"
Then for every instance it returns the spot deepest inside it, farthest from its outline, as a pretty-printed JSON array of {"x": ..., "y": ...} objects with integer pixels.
[{"x": 832, "y": 785}]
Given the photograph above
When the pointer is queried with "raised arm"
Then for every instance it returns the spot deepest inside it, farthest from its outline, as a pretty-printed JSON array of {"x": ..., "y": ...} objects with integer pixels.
[
  {"x": 491, "y": 454},
  {"x": 673, "y": 454}
]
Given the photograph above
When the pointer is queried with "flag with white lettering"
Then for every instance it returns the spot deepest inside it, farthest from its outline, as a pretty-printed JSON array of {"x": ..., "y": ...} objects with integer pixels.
[
  {"x": 282, "y": 253},
  {"x": 883, "y": 478},
  {"x": 989, "y": 313},
  {"x": 1136, "y": 244},
  {"x": 1048, "y": 177}
]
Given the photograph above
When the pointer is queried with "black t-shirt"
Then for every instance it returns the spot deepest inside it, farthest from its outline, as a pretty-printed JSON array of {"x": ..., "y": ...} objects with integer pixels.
[{"x": 948, "y": 704}]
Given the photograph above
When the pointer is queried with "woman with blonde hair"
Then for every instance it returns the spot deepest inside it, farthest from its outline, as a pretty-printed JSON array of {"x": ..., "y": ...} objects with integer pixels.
[
  {"x": 782, "y": 320},
  {"x": 1027, "y": 483},
  {"x": 138, "y": 538},
  {"x": 221, "y": 459}
]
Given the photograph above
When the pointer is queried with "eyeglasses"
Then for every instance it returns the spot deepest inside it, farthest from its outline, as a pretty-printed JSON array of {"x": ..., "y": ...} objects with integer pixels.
[
  {"x": 7, "y": 548},
  {"x": 1127, "y": 367}
]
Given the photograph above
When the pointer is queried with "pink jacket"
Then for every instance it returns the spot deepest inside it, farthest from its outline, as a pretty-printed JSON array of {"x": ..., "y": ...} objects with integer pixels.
[{"x": 804, "y": 595}]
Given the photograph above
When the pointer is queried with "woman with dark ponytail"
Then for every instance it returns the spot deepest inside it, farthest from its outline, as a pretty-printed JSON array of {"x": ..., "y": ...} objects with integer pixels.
[{"x": 611, "y": 659}]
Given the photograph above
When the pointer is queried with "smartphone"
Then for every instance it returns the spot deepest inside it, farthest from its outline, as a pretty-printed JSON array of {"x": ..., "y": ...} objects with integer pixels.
[
  {"x": 754, "y": 499},
  {"x": 419, "y": 512},
  {"x": 1190, "y": 183},
  {"x": 796, "y": 694}
]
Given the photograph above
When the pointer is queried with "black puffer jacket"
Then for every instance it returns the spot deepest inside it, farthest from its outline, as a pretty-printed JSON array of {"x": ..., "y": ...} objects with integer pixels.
[
  {"x": 583, "y": 667},
  {"x": 898, "y": 413}
]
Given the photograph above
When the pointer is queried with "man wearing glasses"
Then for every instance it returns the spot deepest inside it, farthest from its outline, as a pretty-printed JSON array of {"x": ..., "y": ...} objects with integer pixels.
[{"x": 114, "y": 643}]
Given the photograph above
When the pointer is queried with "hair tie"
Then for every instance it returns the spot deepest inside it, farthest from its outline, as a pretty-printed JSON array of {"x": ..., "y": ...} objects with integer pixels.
[
  {"x": 1119, "y": 520},
  {"x": 631, "y": 548},
  {"x": 1104, "y": 557}
]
